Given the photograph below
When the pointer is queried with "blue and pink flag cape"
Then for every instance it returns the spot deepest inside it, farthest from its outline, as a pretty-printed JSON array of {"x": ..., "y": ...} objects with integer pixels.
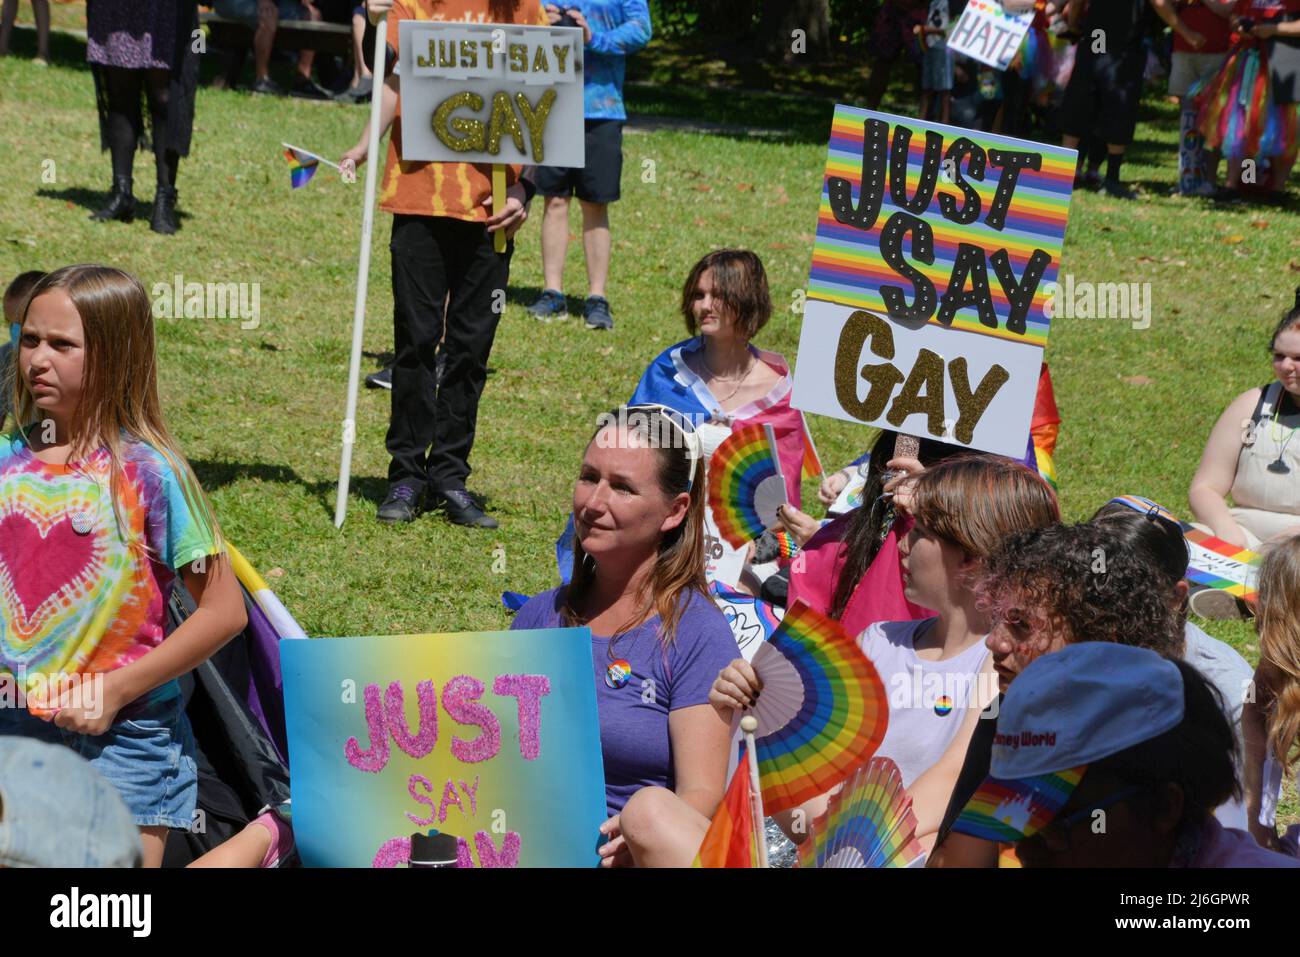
[{"x": 669, "y": 381}]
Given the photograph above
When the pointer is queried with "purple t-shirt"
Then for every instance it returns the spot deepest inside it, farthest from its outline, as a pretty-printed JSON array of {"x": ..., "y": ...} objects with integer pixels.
[
  {"x": 638, "y": 683},
  {"x": 1228, "y": 847}
]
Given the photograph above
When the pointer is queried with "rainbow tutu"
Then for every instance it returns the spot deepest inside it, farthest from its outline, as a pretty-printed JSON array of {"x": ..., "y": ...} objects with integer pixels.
[{"x": 1236, "y": 114}]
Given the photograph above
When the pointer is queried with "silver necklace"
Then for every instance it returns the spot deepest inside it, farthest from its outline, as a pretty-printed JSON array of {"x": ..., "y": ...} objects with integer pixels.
[{"x": 713, "y": 376}]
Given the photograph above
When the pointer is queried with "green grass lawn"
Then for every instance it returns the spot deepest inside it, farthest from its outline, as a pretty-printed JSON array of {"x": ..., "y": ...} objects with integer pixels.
[{"x": 259, "y": 411}]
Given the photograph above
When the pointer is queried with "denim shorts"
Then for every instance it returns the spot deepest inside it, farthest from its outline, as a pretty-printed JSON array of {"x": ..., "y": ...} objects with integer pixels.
[{"x": 148, "y": 757}]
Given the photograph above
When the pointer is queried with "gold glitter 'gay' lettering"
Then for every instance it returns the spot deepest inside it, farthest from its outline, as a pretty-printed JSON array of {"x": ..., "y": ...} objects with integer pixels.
[
  {"x": 535, "y": 119},
  {"x": 472, "y": 133},
  {"x": 503, "y": 121}
]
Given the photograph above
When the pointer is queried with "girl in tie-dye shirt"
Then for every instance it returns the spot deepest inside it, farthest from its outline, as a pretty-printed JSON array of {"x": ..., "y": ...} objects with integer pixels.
[{"x": 100, "y": 515}]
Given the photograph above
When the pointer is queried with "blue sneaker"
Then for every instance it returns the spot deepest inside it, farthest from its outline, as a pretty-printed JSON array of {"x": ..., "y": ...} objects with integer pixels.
[
  {"x": 597, "y": 313},
  {"x": 550, "y": 305}
]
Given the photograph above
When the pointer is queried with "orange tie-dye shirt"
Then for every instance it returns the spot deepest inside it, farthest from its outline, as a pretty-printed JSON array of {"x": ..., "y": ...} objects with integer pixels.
[{"x": 456, "y": 190}]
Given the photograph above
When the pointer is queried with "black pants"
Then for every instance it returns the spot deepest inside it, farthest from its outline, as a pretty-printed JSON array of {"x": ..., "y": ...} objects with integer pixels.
[{"x": 431, "y": 430}]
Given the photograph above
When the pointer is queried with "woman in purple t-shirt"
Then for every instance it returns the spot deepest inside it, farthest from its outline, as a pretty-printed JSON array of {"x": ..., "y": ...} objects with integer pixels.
[{"x": 657, "y": 638}]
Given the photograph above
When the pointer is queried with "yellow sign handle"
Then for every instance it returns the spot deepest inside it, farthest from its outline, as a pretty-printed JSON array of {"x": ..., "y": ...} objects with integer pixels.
[{"x": 498, "y": 204}]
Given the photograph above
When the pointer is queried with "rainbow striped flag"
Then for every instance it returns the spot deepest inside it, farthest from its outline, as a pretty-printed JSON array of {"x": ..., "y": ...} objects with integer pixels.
[
  {"x": 1045, "y": 427},
  {"x": 731, "y": 840},
  {"x": 302, "y": 167}
]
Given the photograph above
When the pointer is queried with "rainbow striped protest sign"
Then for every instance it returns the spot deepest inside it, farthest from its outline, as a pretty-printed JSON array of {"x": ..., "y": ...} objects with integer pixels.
[
  {"x": 1215, "y": 563},
  {"x": 929, "y": 297},
  {"x": 490, "y": 736}
]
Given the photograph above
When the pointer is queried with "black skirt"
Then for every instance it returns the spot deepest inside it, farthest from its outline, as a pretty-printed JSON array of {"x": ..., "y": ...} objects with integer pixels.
[{"x": 182, "y": 83}]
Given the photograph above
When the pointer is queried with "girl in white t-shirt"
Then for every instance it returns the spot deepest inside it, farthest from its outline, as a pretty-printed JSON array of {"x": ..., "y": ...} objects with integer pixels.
[{"x": 936, "y": 671}]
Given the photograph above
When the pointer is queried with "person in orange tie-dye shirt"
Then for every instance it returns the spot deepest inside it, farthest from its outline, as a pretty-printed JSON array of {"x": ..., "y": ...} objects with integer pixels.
[{"x": 445, "y": 274}]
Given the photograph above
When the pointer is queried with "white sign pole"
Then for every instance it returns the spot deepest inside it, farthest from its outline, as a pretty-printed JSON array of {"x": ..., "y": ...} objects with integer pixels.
[{"x": 363, "y": 275}]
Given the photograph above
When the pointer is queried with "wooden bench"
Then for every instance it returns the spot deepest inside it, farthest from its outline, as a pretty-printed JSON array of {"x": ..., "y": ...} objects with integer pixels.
[{"x": 235, "y": 36}]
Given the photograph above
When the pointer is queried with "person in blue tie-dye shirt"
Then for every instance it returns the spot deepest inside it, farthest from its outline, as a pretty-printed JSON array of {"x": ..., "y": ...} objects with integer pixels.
[{"x": 613, "y": 29}]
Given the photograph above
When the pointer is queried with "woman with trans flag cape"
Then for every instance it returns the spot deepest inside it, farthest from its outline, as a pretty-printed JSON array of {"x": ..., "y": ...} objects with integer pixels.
[{"x": 719, "y": 381}]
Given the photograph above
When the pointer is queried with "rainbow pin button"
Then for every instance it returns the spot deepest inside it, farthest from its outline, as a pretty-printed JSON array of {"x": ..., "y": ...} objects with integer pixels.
[
  {"x": 942, "y": 705},
  {"x": 618, "y": 673}
]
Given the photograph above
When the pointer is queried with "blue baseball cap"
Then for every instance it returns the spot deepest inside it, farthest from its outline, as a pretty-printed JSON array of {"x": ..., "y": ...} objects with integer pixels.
[
  {"x": 1065, "y": 711},
  {"x": 58, "y": 811}
]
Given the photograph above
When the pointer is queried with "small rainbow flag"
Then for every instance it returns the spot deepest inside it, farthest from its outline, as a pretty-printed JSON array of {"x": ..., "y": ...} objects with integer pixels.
[
  {"x": 745, "y": 484},
  {"x": 303, "y": 164},
  {"x": 1045, "y": 427},
  {"x": 731, "y": 840},
  {"x": 812, "y": 460},
  {"x": 823, "y": 711}
]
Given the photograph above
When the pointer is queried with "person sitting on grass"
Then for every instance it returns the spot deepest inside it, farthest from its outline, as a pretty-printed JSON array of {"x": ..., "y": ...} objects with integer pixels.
[
  {"x": 962, "y": 508},
  {"x": 657, "y": 638},
  {"x": 1252, "y": 456},
  {"x": 1108, "y": 580},
  {"x": 1271, "y": 717},
  {"x": 268, "y": 14},
  {"x": 1100, "y": 732},
  {"x": 850, "y": 569},
  {"x": 717, "y": 377}
]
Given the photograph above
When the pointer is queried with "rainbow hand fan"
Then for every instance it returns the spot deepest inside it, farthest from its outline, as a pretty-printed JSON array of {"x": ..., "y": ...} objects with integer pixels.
[
  {"x": 869, "y": 823},
  {"x": 745, "y": 484},
  {"x": 822, "y": 711}
]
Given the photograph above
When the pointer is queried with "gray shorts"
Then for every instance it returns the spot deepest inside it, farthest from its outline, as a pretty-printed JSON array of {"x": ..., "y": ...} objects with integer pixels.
[
  {"x": 1187, "y": 69},
  {"x": 936, "y": 69}
]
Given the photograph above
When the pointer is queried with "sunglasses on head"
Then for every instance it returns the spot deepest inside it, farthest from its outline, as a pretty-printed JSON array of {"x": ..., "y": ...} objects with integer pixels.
[{"x": 684, "y": 426}]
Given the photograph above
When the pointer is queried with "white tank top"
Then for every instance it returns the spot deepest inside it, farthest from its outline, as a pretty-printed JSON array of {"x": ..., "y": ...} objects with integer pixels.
[
  {"x": 927, "y": 699},
  {"x": 1254, "y": 486}
]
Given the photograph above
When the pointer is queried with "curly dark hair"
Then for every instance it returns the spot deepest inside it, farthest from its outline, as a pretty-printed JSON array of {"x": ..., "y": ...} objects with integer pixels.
[{"x": 1083, "y": 581}]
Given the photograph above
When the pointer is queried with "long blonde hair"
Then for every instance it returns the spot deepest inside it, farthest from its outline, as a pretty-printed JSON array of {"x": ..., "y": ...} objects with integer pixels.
[
  {"x": 1277, "y": 620},
  {"x": 119, "y": 384},
  {"x": 679, "y": 567}
]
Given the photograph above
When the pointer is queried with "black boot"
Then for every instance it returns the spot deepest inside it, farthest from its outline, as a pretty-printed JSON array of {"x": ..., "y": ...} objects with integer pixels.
[
  {"x": 120, "y": 205},
  {"x": 164, "y": 211}
]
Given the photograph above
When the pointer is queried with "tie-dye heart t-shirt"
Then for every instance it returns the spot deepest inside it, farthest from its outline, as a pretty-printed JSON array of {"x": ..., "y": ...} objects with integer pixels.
[{"x": 78, "y": 599}]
